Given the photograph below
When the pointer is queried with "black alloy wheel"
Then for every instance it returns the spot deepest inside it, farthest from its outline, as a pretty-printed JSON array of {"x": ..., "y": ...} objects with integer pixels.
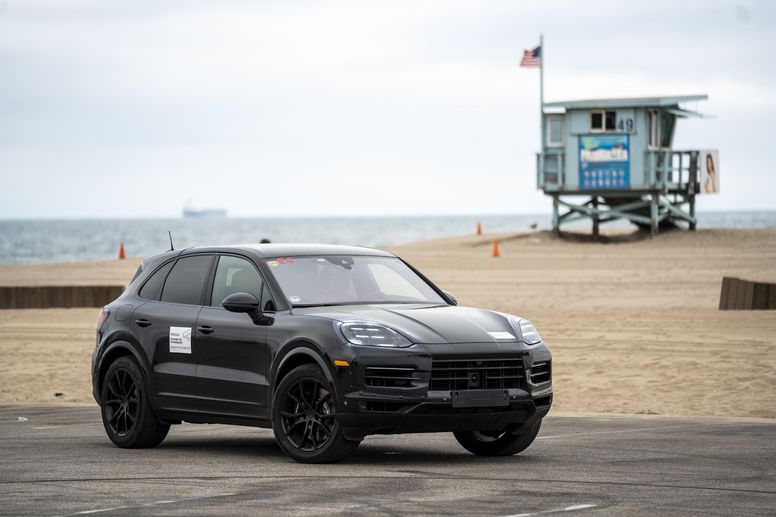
[
  {"x": 127, "y": 415},
  {"x": 304, "y": 418},
  {"x": 308, "y": 415},
  {"x": 122, "y": 406}
]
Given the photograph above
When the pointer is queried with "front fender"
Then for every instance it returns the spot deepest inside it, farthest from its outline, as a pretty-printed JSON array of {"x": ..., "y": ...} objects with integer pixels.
[{"x": 304, "y": 350}]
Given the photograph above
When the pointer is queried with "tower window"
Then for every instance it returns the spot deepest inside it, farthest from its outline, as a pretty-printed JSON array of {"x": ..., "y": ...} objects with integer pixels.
[{"x": 601, "y": 120}]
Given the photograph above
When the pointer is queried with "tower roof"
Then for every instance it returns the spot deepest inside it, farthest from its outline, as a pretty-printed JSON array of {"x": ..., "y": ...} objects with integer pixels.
[{"x": 631, "y": 102}]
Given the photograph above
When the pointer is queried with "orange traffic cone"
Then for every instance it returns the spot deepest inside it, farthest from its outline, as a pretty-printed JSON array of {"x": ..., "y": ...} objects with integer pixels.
[
  {"x": 479, "y": 228},
  {"x": 496, "y": 251},
  {"x": 122, "y": 255}
]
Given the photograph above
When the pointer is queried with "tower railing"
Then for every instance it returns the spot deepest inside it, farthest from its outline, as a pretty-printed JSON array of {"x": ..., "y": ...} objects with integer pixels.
[
  {"x": 671, "y": 170},
  {"x": 665, "y": 170}
]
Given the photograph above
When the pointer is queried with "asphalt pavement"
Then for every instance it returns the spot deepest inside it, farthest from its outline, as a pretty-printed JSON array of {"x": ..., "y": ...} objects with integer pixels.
[{"x": 59, "y": 462}]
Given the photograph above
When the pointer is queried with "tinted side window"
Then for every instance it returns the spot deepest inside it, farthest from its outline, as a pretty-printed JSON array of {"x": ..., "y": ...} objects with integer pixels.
[
  {"x": 153, "y": 286},
  {"x": 235, "y": 275},
  {"x": 185, "y": 282}
]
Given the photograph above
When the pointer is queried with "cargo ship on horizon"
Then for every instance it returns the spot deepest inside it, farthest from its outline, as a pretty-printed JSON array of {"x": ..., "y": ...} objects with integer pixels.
[{"x": 190, "y": 212}]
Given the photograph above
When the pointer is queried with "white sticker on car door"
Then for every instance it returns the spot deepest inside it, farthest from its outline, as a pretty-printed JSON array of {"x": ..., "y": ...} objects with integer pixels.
[
  {"x": 501, "y": 335},
  {"x": 180, "y": 340}
]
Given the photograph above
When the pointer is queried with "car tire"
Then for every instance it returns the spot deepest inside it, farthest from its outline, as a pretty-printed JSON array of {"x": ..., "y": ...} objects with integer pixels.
[
  {"x": 504, "y": 443},
  {"x": 304, "y": 418},
  {"x": 126, "y": 410}
]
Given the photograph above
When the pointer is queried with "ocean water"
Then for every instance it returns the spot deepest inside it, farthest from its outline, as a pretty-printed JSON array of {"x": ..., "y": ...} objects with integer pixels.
[{"x": 62, "y": 240}]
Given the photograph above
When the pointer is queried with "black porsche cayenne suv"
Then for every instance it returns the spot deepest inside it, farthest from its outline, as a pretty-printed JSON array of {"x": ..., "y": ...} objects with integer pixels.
[{"x": 324, "y": 344}]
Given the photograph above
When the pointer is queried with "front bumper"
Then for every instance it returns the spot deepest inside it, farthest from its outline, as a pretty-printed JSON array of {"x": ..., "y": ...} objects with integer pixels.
[
  {"x": 412, "y": 390},
  {"x": 431, "y": 416}
]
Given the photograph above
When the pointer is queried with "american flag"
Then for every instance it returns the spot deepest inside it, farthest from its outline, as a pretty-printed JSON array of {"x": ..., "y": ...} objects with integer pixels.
[{"x": 532, "y": 58}]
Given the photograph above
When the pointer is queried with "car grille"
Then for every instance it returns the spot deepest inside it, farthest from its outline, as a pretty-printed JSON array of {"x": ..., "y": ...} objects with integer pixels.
[
  {"x": 475, "y": 374},
  {"x": 540, "y": 372},
  {"x": 389, "y": 376}
]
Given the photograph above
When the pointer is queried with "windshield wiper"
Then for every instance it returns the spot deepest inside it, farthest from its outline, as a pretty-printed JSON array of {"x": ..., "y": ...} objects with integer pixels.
[{"x": 303, "y": 305}]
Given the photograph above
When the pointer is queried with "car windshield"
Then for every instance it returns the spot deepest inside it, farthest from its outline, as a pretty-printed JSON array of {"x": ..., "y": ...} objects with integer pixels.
[{"x": 349, "y": 280}]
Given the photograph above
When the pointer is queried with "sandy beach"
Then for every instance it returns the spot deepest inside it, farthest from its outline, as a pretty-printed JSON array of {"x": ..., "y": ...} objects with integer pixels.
[{"x": 633, "y": 323}]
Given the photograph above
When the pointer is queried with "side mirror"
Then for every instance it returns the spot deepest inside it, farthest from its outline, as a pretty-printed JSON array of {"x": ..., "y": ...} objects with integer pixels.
[
  {"x": 451, "y": 297},
  {"x": 247, "y": 303}
]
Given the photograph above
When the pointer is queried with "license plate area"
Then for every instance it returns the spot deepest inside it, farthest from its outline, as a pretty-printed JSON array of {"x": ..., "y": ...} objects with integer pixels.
[{"x": 480, "y": 398}]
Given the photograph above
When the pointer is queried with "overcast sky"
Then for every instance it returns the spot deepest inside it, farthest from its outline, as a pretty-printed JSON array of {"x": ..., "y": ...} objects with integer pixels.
[{"x": 294, "y": 108}]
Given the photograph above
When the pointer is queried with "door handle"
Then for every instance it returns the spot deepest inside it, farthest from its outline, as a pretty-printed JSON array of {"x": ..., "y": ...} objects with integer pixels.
[
  {"x": 143, "y": 322},
  {"x": 206, "y": 329}
]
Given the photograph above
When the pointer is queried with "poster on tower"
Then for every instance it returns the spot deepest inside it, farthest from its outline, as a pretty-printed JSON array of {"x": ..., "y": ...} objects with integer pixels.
[
  {"x": 708, "y": 171},
  {"x": 604, "y": 162}
]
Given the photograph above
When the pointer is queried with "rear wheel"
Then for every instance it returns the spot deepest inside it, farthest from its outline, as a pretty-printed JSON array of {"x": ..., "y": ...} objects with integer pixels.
[
  {"x": 304, "y": 418},
  {"x": 126, "y": 411},
  {"x": 499, "y": 443}
]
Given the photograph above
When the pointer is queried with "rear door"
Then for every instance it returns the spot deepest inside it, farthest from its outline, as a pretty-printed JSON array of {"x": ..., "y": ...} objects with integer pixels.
[
  {"x": 232, "y": 351},
  {"x": 165, "y": 327}
]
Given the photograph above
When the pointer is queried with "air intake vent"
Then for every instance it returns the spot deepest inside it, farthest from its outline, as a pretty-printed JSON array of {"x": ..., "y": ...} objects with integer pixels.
[
  {"x": 381, "y": 407},
  {"x": 540, "y": 372}
]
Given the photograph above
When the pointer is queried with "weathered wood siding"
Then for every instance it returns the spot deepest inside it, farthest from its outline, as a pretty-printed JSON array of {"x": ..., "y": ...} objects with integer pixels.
[
  {"x": 58, "y": 296},
  {"x": 740, "y": 294}
]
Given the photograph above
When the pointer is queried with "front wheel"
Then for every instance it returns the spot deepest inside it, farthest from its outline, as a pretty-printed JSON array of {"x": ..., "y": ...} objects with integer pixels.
[
  {"x": 499, "y": 443},
  {"x": 304, "y": 418}
]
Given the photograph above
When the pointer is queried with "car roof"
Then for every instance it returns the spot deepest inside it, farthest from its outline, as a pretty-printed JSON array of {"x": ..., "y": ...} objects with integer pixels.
[{"x": 290, "y": 250}]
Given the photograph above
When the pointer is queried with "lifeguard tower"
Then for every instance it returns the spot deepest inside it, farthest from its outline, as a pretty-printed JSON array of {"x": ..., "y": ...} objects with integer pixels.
[{"x": 610, "y": 159}]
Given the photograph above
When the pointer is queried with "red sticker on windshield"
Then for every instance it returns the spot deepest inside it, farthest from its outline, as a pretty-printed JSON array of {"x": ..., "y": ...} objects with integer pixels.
[{"x": 285, "y": 260}]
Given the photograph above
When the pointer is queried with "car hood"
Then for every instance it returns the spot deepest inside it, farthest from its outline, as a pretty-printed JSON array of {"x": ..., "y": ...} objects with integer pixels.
[{"x": 426, "y": 323}]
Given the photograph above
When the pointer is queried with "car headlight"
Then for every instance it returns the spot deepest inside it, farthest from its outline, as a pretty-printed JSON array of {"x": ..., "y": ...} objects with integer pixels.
[
  {"x": 365, "y": 333},
  {"x": 526, "y": 330}
]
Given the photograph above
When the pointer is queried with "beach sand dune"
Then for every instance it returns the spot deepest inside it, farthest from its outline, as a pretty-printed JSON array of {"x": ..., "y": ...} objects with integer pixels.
[
  {"x": 633, "y": 324},
  {"x": 102, "y": 272}
]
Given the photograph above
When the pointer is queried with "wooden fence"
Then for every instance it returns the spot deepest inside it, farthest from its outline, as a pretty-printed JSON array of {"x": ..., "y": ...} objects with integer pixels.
[
  {"x": 58, "y": 296},
  {"x": 740, "y": 294}
]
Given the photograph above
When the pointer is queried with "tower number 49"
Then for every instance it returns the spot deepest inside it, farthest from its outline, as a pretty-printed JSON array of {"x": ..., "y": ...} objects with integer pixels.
[{"x": 625, "y": 125}]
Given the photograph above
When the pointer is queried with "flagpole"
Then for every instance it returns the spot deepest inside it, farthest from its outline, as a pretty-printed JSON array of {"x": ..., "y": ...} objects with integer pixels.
[{"x": 541, "y": 89}]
